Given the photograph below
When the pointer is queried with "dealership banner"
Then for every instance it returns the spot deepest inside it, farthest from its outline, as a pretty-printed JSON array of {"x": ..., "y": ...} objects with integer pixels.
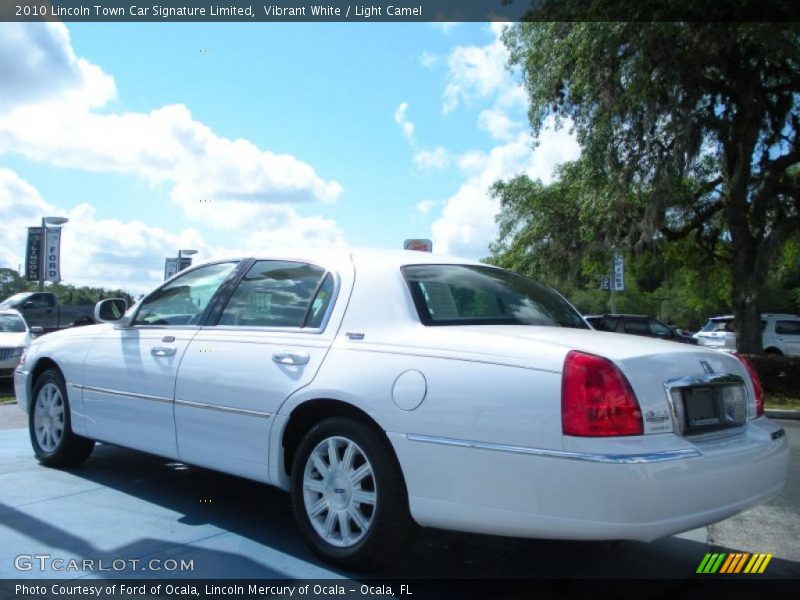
[
  {"x": 52, "y": 255},
  {"x": 170, "y": 267},
  {"x": 33, "y": 254},
  {"x": 444, "y": 11}
]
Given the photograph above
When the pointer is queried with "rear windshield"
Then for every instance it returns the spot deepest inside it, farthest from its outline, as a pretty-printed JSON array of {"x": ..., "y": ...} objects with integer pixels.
[
  {"x": 476, "y": 295},
  {"x": 718, "y": 325}
]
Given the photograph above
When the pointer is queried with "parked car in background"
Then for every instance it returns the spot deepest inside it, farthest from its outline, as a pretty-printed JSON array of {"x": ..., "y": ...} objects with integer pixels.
[
  {"x": 41, "y": 309},
  {"x": 15, "y": 337},
  {"x": 780, "y": 333},
  {"x": 381, "y": 387},
  {"x": 639, "y": 325}
]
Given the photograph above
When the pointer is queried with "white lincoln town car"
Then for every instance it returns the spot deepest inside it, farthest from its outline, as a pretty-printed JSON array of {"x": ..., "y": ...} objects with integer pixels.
[{"x": 385, "y": 387}]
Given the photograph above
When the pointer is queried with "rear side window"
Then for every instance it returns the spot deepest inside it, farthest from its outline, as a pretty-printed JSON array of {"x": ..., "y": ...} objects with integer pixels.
[
  {"x": 277, "y": 293},
  {"x": 718, "y": 325},
  {"x": 636, "y": 327},
  {"x": 787, "y": 327},
  {"x": 477, "y": 295}
]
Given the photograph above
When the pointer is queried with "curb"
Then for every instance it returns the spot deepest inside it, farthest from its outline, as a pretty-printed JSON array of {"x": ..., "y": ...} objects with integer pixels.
[{"x": 775, "y": 413}]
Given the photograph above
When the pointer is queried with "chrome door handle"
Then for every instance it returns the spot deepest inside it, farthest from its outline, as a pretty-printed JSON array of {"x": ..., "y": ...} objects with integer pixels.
[
  {"x": 290, "y": 358},
  {"x": 162, "y": 351}
]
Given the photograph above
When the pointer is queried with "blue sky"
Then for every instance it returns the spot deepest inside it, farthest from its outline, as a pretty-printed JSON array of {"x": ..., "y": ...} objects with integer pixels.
[{"x": 229, "y": 138}]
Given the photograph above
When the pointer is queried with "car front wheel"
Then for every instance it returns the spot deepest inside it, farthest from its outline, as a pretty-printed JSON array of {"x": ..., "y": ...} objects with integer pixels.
[
  {"x": 348, "y": 493},
  {"x": 51, "y": 433}
]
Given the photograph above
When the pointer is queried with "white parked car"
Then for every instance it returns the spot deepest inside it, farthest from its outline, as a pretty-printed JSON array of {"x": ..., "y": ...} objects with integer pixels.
[
  {"x": 15, "y": 337},
  {"x": 780, "y": 334},
  {"x": 383, "y": 387}
]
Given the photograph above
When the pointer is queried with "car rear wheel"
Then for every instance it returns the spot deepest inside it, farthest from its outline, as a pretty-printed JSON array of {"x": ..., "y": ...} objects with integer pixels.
[
  {"x": 348, "y": 494},
  {"x": 51, "y": 433}
]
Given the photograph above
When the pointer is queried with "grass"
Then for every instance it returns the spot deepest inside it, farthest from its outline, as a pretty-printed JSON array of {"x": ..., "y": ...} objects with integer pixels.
[
  {"x": 7, "y": 399},
  {"x": 782, "y": 401}
]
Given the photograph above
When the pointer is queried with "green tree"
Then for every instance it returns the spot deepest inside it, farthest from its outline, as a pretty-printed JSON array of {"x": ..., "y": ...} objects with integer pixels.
[{"x": 693, "y": 123}]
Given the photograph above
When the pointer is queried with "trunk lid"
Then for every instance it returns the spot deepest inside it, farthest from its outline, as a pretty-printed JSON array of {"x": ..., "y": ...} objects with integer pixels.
[{"x": 648, "y": 364}]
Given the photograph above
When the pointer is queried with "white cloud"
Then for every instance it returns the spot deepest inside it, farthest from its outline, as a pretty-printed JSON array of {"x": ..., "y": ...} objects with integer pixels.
[
  {"x": 130, "y": 254},
  {"x": 429, "y": 60},
  {"x": 444, "y": 26},
  {"x": 405, "y": 124},
  {"x": 424, "y": 207},
  {"x": 38, "y": 64},
  {"x": 467, "y": 223},
  {"x": 57, "y": 124},
  {"x": 476, "y": 71},
  {"x": 498, "y": 124},
  {"x": 438, "y": 158}
]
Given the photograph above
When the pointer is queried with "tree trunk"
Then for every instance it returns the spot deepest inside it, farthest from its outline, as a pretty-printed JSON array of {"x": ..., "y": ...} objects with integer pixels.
[{"x": 746, "y": 285}]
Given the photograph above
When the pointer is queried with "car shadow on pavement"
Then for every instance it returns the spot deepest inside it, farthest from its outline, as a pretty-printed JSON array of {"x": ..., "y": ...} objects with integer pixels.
[{"x": 263, "y": 515}]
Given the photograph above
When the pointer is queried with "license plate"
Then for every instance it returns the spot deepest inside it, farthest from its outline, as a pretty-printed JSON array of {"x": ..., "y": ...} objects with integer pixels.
[{"x": 714, "y": 407}]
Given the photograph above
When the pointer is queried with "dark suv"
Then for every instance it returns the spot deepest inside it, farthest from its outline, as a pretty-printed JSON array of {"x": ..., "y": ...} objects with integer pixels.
[{"x": 639, "y": 325}]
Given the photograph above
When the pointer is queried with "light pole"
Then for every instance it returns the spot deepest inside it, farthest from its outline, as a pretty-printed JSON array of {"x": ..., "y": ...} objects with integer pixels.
[
  {"x": 43, "y": 244},
  {"x": 182, "y": 253}
]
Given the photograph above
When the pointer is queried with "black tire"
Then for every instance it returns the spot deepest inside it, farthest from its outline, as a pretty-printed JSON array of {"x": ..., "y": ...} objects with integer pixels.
[
  {"x": 389, "y": 519},
  {"x": 68, "y": 450},
  {"x": 773, "y": 351}
]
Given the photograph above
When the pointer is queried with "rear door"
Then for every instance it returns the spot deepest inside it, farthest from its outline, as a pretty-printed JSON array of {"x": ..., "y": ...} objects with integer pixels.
[{"x": 269, "y": 341}]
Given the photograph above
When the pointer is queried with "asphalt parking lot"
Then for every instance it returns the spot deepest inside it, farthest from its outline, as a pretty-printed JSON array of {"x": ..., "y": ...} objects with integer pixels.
[{"x": 128, "y": 505}]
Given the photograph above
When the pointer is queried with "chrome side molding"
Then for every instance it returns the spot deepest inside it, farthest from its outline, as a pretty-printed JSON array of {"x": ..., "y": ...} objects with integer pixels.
[{"x": 601, "y": 458}]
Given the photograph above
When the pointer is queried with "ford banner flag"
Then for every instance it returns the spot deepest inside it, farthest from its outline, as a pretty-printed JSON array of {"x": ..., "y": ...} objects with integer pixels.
[{"x": 52, "y": 254}]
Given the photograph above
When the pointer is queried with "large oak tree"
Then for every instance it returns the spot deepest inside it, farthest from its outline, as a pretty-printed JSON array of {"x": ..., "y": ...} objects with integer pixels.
[{"x": 698, "y": 121}]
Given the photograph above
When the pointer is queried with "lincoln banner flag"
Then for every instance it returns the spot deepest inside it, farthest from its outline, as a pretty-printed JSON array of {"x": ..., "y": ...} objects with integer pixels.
[{"x": 33, "y": 254}]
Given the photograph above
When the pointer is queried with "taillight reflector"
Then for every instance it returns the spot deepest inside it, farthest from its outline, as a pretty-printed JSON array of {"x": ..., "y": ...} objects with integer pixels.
[
  {"x": 596, "y": 399},
  {"x": 757, "y": 388}
]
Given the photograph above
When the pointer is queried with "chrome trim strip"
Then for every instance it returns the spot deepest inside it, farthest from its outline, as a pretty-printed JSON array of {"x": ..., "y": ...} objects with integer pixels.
[
  {"x": 225, "y": 409},
  {"x": 89, "y": 388},
  {"x": 601, "y": 458}
]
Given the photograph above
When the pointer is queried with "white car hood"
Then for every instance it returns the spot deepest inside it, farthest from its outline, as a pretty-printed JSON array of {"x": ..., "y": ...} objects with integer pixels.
[{"x": 13, "y": 340}]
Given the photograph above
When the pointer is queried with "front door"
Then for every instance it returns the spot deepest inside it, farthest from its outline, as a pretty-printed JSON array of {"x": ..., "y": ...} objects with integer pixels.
[
  {"x": 269, "y": 341},
  {"x": 129, "y": 379}
]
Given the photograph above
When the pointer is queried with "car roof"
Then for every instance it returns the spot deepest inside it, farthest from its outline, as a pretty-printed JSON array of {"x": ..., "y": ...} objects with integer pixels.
[
  {"x": 763, "y": 315},
  {"x": 619, "y": 315},
  {"x": 332, "y": 257}
]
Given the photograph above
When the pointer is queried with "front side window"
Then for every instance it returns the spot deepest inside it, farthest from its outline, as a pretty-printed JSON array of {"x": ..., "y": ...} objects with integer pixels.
[
  {"x": 277, "y": 293},
  {"x": 659, "y": 329},
  {"x": 42, "y": 301},
  {"x": 183, "y": 300},
  {"x": 477, "y": 295}
]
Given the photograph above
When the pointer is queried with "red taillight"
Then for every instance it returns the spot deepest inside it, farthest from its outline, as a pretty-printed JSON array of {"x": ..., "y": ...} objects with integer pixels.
[
  {"x": 756, "y": 385},
  {"x": 596, "y": 399}
]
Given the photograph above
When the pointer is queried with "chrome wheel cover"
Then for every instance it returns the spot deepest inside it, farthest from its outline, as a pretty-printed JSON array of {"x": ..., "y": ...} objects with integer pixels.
[
  {"x": 339, "y": 491},
  {"x": 48, "y": 417}
]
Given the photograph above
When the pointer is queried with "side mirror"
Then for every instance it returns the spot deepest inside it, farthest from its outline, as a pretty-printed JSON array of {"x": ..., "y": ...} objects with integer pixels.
[
  {"x": 110, "y": 310},
  {"x": 37, "y": 330}
]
